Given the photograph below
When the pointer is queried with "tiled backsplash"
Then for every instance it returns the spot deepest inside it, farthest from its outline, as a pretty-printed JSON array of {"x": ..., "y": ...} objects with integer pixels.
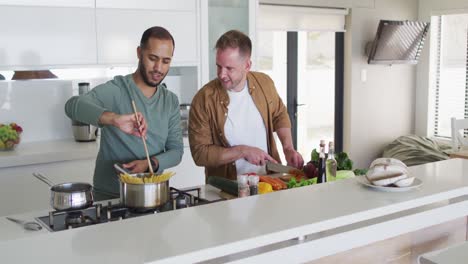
[{"x": 39, "y": 105}]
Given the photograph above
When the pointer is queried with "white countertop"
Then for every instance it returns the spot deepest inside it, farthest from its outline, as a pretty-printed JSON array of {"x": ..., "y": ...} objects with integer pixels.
[
  {"x": 451, "y": 255},
  {"x": 223, "y": 228},
  {"x": 52, "y": 151},
  {"x": 48, "y": 151}
]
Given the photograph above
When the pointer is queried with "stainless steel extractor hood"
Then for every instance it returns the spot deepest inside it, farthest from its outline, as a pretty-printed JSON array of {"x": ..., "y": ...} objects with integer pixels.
[{"x": 397, "y": 42}]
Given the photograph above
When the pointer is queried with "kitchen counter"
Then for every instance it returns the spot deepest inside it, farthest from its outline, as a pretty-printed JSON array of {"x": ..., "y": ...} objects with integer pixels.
[
  {"x": 48, "y": 151},
  {"x": 451, "y": 255},
  {"x": 293, "y": 226}
]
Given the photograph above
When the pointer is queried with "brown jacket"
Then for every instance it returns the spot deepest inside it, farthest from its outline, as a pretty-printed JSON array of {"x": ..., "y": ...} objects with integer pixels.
[{"x": 208, "y": 114}]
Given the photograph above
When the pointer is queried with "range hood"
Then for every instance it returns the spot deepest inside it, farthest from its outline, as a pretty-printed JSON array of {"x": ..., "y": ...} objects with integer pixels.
[{"x": 397, "y": 42}]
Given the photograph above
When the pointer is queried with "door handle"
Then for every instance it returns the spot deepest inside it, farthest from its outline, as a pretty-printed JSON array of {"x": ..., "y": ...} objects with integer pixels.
[{"x": 300, "y": 104}]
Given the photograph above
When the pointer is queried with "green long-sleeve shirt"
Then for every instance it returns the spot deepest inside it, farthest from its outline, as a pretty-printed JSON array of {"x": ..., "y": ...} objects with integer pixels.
[{"x": 161, "y": 111}]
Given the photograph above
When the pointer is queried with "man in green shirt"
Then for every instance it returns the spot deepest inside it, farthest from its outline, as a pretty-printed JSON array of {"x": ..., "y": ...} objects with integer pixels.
[{"x": 109, "y": 106}]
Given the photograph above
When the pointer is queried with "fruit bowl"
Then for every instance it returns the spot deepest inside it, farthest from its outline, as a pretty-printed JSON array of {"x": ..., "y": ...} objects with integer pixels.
[{"x": 10, "y": 136}]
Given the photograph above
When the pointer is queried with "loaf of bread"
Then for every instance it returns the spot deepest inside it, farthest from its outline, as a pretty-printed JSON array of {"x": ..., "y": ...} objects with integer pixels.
[{"x": 389, "y": 172}]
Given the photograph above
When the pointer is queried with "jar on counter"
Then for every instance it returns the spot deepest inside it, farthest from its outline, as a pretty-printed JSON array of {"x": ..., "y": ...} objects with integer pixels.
[
  {"x": 253, "y": 184},
  {"x": 243, "y": 189}
]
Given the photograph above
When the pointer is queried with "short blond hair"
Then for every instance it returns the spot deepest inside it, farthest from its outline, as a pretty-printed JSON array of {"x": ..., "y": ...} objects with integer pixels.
[{"x": 235, "y": 39}]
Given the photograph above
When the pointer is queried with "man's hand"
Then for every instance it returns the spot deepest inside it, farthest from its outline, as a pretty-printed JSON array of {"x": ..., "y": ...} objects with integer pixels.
[
  {"x": 137, "y": 166},
  {"x": 126, "y": 123},
  {"x": 256, "y": 156},
  {"x": 293, "y": 158}
]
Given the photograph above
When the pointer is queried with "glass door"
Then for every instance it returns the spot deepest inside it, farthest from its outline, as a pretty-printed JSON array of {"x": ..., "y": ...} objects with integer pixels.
[
  {"x": 315, "y": 90},
  {"x": 303, "y": 66}
]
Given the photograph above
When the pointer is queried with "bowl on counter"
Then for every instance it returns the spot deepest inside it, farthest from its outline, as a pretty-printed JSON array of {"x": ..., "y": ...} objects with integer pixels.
[{"x": 10, "y": 136}]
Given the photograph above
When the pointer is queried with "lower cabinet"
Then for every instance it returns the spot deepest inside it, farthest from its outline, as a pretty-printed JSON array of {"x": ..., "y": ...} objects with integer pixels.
[
  {"x": 404, "y": 248},
  {"x": 21, "y": 192}
]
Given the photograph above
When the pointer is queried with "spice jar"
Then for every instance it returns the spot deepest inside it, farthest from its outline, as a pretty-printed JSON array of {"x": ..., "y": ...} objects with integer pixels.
[
  {"x": 253, "y": 184},
  {"x": 243, "y": 189}
]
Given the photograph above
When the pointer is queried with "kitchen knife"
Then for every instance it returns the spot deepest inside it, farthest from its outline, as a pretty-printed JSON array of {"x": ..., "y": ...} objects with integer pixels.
[{"x": 276, "y": 167}]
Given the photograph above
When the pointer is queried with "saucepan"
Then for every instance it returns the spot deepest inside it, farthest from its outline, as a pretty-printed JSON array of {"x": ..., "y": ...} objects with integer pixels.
[
  {"x": 143, "y": 196},
  {"x": 70, "y": 195}
]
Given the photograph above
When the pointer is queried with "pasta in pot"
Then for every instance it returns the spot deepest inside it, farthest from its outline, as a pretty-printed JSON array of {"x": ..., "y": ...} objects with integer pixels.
[{"x": 154, "y": 178}]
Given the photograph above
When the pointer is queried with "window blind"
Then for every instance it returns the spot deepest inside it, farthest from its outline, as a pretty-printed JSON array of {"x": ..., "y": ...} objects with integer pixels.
[
  {"x": 303, "y": 18},
  {"x": 451, "y": 71}
]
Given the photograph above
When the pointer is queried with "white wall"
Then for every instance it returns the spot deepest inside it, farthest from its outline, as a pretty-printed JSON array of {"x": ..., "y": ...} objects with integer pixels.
[
  {"x": 380, "y": 109},
  {"x": 423, "y": 104}
]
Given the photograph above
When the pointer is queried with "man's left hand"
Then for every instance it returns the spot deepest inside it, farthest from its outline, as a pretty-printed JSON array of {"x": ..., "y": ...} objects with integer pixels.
[
  {"x": 293, "y": 158},
  {"x": 137, "y": 166}
]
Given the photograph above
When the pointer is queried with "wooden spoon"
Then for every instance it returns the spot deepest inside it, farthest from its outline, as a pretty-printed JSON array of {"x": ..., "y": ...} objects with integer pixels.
[{"x": 144, "y": 139}]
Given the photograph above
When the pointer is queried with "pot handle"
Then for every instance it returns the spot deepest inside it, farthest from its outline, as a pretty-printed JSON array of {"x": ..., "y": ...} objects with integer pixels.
[
  {"x": 121, "y": 169},
  {"x": 43, "y": 178}
]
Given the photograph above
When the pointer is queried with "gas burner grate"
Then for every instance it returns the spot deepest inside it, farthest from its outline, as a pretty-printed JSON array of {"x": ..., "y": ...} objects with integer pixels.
[{"x": 98, "y": 213}]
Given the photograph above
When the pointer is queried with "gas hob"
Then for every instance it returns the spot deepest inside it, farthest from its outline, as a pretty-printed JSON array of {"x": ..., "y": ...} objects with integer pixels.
[{"x": 99, "y": 214}]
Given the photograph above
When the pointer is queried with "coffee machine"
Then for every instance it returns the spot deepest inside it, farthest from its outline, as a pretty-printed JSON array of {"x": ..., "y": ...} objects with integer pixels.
[{"x": 83, "y": 132}]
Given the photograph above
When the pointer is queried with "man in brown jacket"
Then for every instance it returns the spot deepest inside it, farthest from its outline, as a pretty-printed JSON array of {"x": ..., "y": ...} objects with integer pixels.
[{"x": 232, "y": 118}]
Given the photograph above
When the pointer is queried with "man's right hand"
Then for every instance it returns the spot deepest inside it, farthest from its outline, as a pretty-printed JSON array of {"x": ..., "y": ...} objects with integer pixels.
[
  {"x": 126, "y": 123},
  {"x": 256, "y": 156}
]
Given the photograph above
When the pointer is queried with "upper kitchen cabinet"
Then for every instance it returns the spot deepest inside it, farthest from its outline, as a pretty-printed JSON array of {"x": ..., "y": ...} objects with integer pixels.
[
  {"x": 120, "y": 25},
  {"x": 34, "y": 37},
  {"x": 180, "y": 5},
  {"x": 224, "y": 16},
  {"x": 56, "y": 3}
]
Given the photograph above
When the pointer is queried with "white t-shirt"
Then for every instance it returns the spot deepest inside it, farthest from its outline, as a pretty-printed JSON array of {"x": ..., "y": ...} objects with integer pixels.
[{"x": 244, "y": 126}]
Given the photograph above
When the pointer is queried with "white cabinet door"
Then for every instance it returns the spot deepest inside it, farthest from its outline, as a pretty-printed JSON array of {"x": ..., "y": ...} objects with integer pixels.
[
  {"x": 119, "y": 32},
  {"x": 180, "y": 5},
  {"x": 36, "y": 36},
  {"x": 187, "y": 173},
  {"x": 63, "y": 3}
]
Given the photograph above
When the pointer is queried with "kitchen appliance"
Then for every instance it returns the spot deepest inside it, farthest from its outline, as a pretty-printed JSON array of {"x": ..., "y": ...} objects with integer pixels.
[
  {"x": 397, "y": 42},
  {"x": 68, "y": 196},
  {"x": 144, "y": 196},
  {"x": 184, "y": 115},
  {"x": 102, "y": 213},
  {"x": 83, "y": 132}
]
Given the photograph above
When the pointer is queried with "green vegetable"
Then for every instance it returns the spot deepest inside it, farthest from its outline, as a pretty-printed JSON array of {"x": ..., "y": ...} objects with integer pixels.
[
  {"x": 360, "y": 171},
  {"x": 224, "y": 184},
  {"x": 294, "y": 184},
  {"x": 314, "y": 156},
  {"x": 343, "y": 162},
  {"x": 344, "y": 174}
]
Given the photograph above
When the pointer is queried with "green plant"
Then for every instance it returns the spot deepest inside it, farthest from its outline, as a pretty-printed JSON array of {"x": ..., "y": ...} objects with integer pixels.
[{"x": 343, "y": 161}]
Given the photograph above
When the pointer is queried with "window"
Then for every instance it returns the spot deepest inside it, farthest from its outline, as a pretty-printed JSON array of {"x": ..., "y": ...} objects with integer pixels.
[{"x": 449, "y": 71}]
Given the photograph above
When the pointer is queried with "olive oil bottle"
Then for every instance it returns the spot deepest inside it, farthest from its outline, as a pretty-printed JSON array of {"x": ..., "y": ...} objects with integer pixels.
[
  {"x": 331, "y": 163},
  {"x": 322, "y": 172}
]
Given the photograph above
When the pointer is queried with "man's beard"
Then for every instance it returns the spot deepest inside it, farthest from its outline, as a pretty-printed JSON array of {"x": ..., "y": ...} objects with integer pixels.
[{"x": 144, "y": 75}]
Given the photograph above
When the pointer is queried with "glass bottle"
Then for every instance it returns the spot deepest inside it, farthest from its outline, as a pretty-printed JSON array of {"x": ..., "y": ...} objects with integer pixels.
[
  {"x": 322, "y": 172},
  {"x": 331, "y": 164},
  {"x": 253, "y": 184},
  {"x": 243, "y": 189}
]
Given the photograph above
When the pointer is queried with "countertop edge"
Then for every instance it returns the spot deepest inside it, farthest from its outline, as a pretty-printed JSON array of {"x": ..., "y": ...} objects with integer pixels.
[{"x": 48, "y": 151}]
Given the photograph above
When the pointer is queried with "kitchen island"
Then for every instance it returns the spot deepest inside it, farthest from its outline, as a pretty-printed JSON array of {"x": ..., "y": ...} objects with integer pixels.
[{"x": 290, "y": 226}]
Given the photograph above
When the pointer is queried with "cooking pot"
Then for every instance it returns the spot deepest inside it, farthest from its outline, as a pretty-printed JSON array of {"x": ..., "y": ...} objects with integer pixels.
[
  {"x": 70, "y": 195},
  {"x": 144, "y": 196}
]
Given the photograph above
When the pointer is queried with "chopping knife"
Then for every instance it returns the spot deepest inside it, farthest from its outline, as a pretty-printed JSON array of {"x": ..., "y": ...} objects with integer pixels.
[{"x": 276, "y": 167}]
